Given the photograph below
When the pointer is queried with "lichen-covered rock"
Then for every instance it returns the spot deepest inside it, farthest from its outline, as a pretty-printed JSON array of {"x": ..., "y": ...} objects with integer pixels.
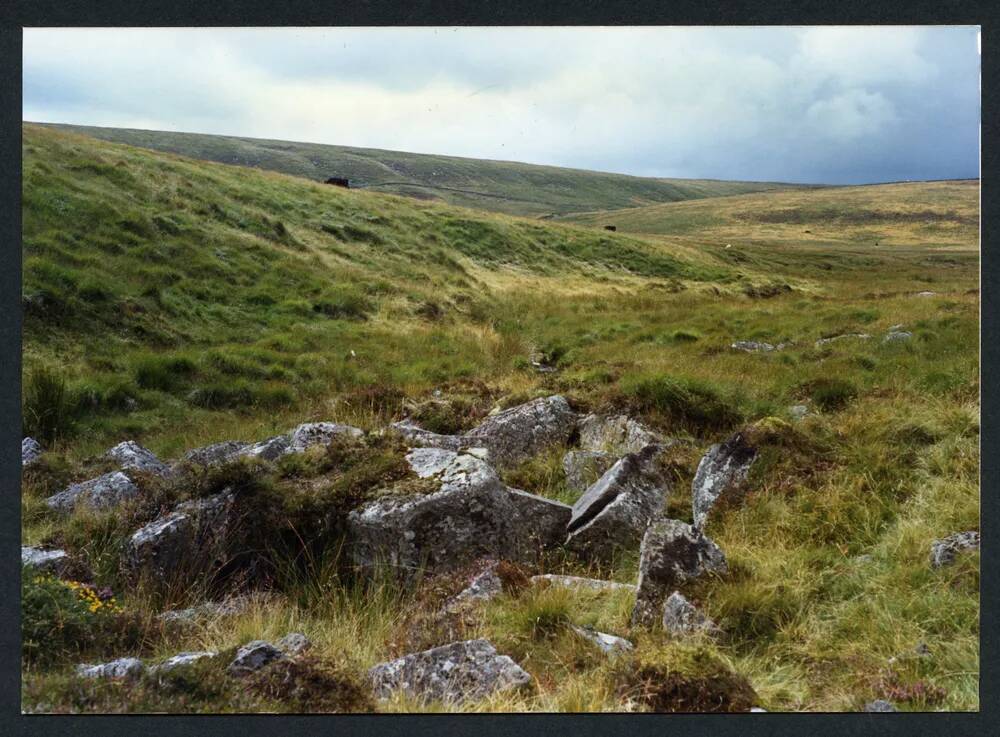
[
  {"x": 293, "y": 643},
  {"x": 181, "y": 660},
  {"x": 722, "y": 471},
  {"x": 879, "y": 706},
  {"x": 681, "y": 617},
  {"x": 132, "y": 456},
  {"x": 267, "y": 450},
  {"x": 897, "y": 336},
  {"x": 310, "y": 434},
  {"x": 518, "y": 433},
  {"x": 483, "y": 587},
  {"x": 454, "y": 673},
  {"x": 943, "y": 551},
  {"x": 798, "y": 411},
  {"x": 104, "y": 492},
  {"x": 614, "y": 512},
  {"x": 121, "y": 668},
  {"x": 205, "y": 610},
  {"x": 31, "y": 449},
  {"x": 752, "y": 346},
  {"x": 49, "y": 561},
  {"x": 252, "y": 657},
  {"x": 617, "y": 435},
  {"x": 192, "y": 537},
  {"x": 539, "y": 523},
  {"x": 610, "y": 645},
  {"x": 215, "y": 454},
  {"x": 595, "y": 584},
  {"x": 583, "y": 467},
  {"x": 672, "y": 553},
  {"x": 469, "y": 515}
]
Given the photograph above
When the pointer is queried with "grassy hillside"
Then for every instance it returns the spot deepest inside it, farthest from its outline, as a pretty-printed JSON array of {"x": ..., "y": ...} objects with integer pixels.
[
  {"x": 928, "y": 214},
  {"x": 498, "y": 186},
  {"x": 179, "y": 302}
]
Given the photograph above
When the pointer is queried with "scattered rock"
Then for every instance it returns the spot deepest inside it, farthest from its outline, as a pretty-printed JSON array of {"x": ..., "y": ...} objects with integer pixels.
[
  {"x": 132, "y": 456},
  {"x": 614, "y": 511},
  {"x": 617, "y": 435},
  {"x": 104, "y": 492},
  {"x": 610, "y": 645},
  {"x": 752, "y": 346},
  {"x": 943, "y": 551},
  {"x": 757, "y": 710},
  {"x": 798, "y": 411},
  {"x": 454, "y": 673},
  {"x": 879, "y": 706},
  {"x": 470, "y": 515},
  {"x": 31, "y": 449},
  {"x": 926, "y": 294},
  {"x": 293, "y": 643},
  {"x": 181, "y": 660},
  {"x": 722, "y": 471},
  {"x": 584, "y": 467},
  {"x": 859, "y": 336},
  {"x": 483, "y": 587},
  {"x": 252, "y": 657},
  {"x": 681, "y": 617},
  {"x": 215, "y": 454},
  {"x": 205, "y": 610},
  {"x": 896, "y": 337},
  {"x": 671, "y": 554},
  {"x": 191, "y": 537},
  {"x": 267, "y": 450},
  {"x": 49, "y": 561},
  {"x": 121, "y": 668},
  {"x": 310, "y": 434},
  {"x": 540, "y": 523},
  {"x": 579, "y": 582}
]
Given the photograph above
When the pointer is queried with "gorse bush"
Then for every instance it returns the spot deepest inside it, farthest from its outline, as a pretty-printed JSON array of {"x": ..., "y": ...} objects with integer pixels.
[
  {"x": 48, "y": 405},
  {"x": 59, "y": 618}
]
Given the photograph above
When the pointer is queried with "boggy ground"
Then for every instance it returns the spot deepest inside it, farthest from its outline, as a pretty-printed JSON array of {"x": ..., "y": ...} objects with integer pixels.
[{"x": 164, "y": 303}]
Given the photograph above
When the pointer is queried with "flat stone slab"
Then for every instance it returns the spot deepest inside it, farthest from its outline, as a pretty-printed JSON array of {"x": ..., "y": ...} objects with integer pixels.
[
  {"x": 181, "y": 660},
  {"x": 593, "y": 584},
  {"x": 453, "y": 673},
  {"x": 121, "y": 668},
  {"x": 610, "y": 645}
]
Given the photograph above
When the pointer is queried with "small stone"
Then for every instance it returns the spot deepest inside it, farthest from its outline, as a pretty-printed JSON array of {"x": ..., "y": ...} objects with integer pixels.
[
  {"x": 798, "y": 411},
  {"x": 897, "y": 337},
  {"x": 455, "y": 673},
  {"x": 131, "y": 455},
  {"x": 752, "y": 346},
  {"x": 181, "y": 660},
  {"x": 293, "y": 643},
  {"x": 579, "y": 582},
  {"x": 926, "y": 294},
  {"x": 50, "y": 561},
  {"x": 610, "y": 645},
  {"x": 104, "y": 492},
  {"x": 253, "y": 656},
  {"x": 879, "y": 706},
  {"x": 31, "y": 449},
  {"x": 121, "y": 668},
  {"x": 483, "y": 587},
  {"x": 681, "y": 617},
  {"x": 943, "y": 551}
]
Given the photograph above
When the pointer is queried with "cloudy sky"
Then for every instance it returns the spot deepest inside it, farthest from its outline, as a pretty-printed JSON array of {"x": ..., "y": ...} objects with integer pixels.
[{"x": 822, "y": 104}]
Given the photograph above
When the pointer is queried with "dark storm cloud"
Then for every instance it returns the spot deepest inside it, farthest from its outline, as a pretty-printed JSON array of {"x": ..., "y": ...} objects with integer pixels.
[{"x": 792, "y": 104}]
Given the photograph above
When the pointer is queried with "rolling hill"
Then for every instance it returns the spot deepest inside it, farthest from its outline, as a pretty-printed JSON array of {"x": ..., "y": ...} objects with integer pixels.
[
  {"x": 499, "y": 186},
  {"x": 178, "y": 302}
]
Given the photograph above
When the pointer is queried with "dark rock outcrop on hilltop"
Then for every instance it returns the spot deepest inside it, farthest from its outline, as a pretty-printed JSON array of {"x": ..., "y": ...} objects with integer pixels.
[
  {"x": 944, "y": 551},
  {"x": 192, "y": 538},
  {"x": 721, "y": 472},
  {"x": 511, "y": 436},
  {"x": 672, "y": 553},
  {"x": 455, "y": 673},
  {"x": 104, "y": 492},
  {"x": 613, "y": 513}
]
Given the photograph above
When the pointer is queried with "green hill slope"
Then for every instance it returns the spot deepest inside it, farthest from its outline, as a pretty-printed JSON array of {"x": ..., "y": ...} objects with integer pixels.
[{"x": 499, "y": 186}]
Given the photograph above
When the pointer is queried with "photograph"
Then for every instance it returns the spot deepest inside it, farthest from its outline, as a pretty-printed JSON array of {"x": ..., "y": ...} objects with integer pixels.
[{"x": 499, "y": 369}]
